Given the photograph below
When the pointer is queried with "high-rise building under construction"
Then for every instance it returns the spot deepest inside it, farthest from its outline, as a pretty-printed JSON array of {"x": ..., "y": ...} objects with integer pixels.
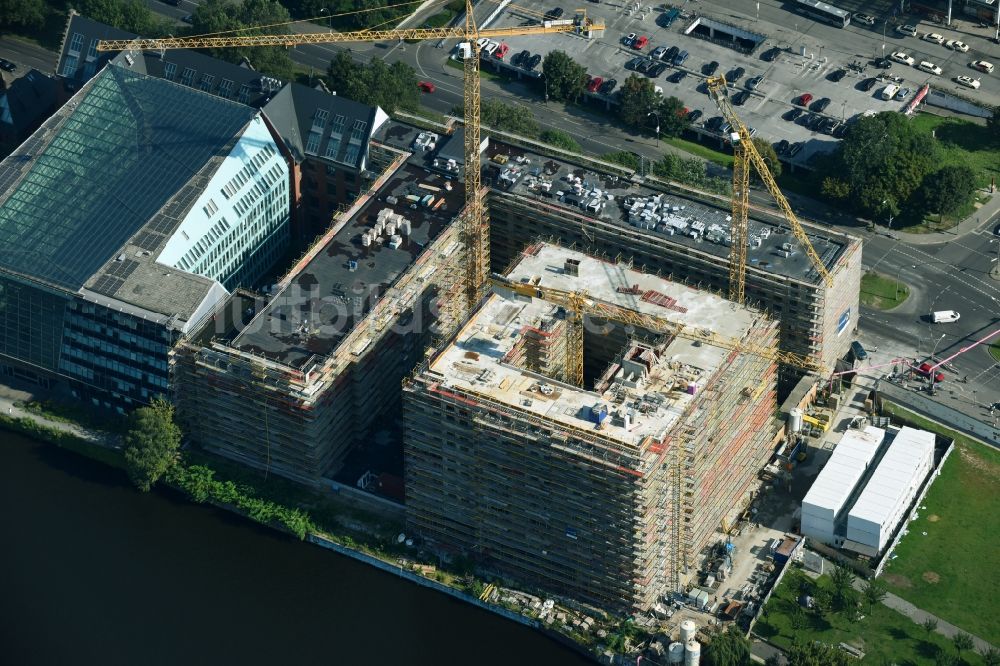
[{"x": 607, "y": 492}]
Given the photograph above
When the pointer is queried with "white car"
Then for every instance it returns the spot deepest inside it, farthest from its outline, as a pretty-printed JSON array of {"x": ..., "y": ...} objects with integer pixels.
[
  {"x": 900, "y": 56},
  {"x": 929, "y": 67},
  {"x": 629, "y": 38},
  {"x": 945, "y": 316},
  {"x": 865, "y": 18},
  {"x": 956, "y": 45},
  {"x": 982, "y": 66},
  {"x": 968, "y": 82},
  {"x": 907, "y": 29},
  {"x": 934, "y": 37}
]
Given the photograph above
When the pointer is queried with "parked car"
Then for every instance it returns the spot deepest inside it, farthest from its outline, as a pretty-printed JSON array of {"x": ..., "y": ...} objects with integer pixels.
[
  {"x": 929, "y": 67},
  {"x": 671, "y": 54},
  {"x": 535, "y": 59},
  {"x": 782, "y": 147},
  {"x": 864, "y": 19},
  {"x": 793, "y": 114},
  {"x": 754, "y": 83},
  {"x": 902, "y": 94},
  {"x": 680, "y": 58},
  {"x": 858, "y": 351},
  {"x": 956, "y": 45},
  {"x": 901, "y": 56},
  {"x": 868, "y": 84},
  {"x": 795, "y": 148},
  {"x": 771, "y": 54},
  {"x": 553, "y": 14},
  {"x": 188, "y": 18},
  {"x": 982, "y": 66},
  {"x": 657, "y": 69},
  {"x": 640, "y": 43},
  {"x": 968, "y": 82},
  {"x": 521, "y": 58},
  {"x": 658, "y": 52},
  {"x": 501, "y": 51},
  {"x": 634, "y": 62},
  {"x": 643, "y": 65},
  {"x": 804, "y": 99},
  {"x": 934, "y": 37},
  {"x": 882, "y": 63},
  {"x": 594, "y": 84},
  {"x": 924, "y": 370},
  {"x": 710, "y": 69},
  {"x": 840, "y": 131},
  {"x": 735, "y": 74},
  {"x": 907, "y": 29},
  {"x": 740, "y": 98},
  {"x": 628, "y": 39},
  {"x": 7, "y": 65},
  {"x": 837, "y": 75},
  {"x": 677, "y": 76},
  {"x": 714, "y": 123},
  {"x": 829, "y": 126},
  {"x": 608, "y": 86},
  {"x": 695, "y": 115}
]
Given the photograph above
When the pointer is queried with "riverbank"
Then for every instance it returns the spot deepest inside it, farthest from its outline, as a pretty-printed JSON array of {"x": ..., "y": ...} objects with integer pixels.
[{"x": 364, "y": 538}]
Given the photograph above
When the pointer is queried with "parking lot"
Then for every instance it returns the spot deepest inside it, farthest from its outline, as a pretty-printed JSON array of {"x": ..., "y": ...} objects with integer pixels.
[{"x": 810, "y": 57}]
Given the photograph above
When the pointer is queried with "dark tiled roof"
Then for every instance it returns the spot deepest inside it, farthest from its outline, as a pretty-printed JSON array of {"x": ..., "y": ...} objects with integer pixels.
[
  {"x": 316, "y": 123},
  {"x": 101, "y": 168},
  {"x": 27, "y": 102}
]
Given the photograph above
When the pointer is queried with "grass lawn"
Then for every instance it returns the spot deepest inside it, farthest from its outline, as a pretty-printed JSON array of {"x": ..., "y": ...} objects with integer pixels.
[
  {"x": 995, "y": 350},
  {"x": 700, "y": 150},
  {"x": 881, "y": 292},
  {"x": 886, "y": 636},
  {"x": 963, "y": 142},
  {"x": 952, "y": 571}
]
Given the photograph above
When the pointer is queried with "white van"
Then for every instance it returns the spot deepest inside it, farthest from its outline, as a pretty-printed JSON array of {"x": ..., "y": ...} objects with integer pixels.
[
  {"x": 945, "y": 316},
  {"x": 889, "y": 91}
]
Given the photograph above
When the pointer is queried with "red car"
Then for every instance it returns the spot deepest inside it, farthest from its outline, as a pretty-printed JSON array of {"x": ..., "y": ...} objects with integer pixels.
[
  {"x": 924, "y": 370},
  {"x": 804, "y": 99},
  {"x": 640, "y": 42},
  {"x": 427, "y": 86},
  {"x": 501, "y": 51},
  {"x": 595, "y": 84}
]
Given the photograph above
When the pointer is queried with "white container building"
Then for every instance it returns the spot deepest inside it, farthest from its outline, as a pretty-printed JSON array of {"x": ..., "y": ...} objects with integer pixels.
[
  {"x": 890, "y": 490},
  {"x": 832, "y": 488}
]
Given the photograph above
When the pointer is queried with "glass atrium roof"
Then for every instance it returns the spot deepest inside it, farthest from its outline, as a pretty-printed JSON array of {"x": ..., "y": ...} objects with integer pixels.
[{"x": 81, "y": 186}]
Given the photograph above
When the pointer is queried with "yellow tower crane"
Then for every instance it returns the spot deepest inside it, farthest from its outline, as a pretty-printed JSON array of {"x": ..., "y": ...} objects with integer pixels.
[
  {"x": 476, "y": 230},
  {"x": 746, "y": 155}
]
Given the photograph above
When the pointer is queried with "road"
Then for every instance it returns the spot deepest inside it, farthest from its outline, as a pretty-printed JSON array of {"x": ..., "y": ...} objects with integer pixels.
[{"x": 26, "y": 55}]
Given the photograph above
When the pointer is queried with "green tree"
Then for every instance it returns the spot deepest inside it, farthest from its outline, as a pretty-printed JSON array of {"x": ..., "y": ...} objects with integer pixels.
[
  {"x": 882, "y": 157},
  {"x": 930, "y": 625},
  {"x": 962, "y": 642},
  {"x": 560, "y": 139},
  {"x": 564, "y": 78},
  {"x": 873, "y": 591},
  {"x": 943, "y": 658},
  {"x": 131, "y": 15},
  {"x": 730, "y": 648},
  {"x": 810, "y": 653},
  {"x": 624, "y": 158},
  {"x": 392, "y": 87},
  {"x": 948, "y": 189},
  {"x": 26, "y": 13},
  {"x": 993, "y": 125},
  {"x": 766, "y": 151},
  {"x": 673, "y": 117},
  {"x": 223, "y": 15},
  {"x": 151, "y": 443},
  {"x": 991, "y": 656},
  {"x": 638, "y": 100},
  {"x": 508, "y": 118},
  {"x": 844, "y": 595}
]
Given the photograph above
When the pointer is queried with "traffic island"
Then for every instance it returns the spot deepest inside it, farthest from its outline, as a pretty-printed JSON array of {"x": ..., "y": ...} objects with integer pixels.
[{"x": 882, "y": 292}]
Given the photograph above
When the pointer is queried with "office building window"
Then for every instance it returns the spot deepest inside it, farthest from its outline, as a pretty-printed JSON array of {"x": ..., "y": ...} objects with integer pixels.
[
  {"x": 92, "y": 51},
  {"x": 187, "y": 78},
  {"x": 206, "y": 82},
  {"x": 312, "y": 146},
  {"x": 244, "y": 96},
  {"x": 226, "y": 88},
  {"x": 76, "y": 43},
  {"x": 319, "y": 120},
  {"x": 338, "y": 125},
  {"x": 358, "y": 131},
  {"x": 69, "y": 66},
  {"x": 169, "y": 70}
]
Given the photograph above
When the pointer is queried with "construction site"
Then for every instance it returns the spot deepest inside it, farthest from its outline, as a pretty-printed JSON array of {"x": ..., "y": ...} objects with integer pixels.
[{"x": 607, "y": 490}]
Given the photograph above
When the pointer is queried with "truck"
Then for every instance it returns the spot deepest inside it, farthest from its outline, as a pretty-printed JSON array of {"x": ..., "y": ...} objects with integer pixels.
[
  {"x": 889, "y": 91},
  {"x": 945, "y": 316}
]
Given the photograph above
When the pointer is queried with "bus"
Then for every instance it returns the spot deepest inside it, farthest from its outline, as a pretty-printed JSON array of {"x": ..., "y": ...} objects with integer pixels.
[{"x": 820, "y": 11}]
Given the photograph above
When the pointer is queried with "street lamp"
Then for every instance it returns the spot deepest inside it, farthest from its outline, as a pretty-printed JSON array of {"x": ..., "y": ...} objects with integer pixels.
[
  {"x": 934, "y": 349},
  {"x": 654, "y": 113},
  {"x": 889, "y": 225},
  {"x": 995, "y": 271},
  {"x": 329, "y": 13}
]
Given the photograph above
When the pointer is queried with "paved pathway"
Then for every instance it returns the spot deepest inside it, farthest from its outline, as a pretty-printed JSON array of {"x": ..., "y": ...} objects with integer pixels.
[
  {"x": 921, "y": 404},
  {"x": 10, "y": 399},
  {"x": 920, "y": 616}
]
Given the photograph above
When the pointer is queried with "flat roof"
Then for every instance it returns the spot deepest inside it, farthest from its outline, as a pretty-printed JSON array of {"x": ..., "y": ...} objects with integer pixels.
[
  {"x": 894, "y": 476},
  {"x": 330, "y": 295},
  {"x": 475, "y": 358},
  {"x": 844, "y": 469},
  {"x": 538, "y": 178}
]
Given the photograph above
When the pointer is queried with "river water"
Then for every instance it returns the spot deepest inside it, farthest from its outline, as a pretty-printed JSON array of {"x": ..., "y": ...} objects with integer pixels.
[{"x": 93, "y": 572}]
